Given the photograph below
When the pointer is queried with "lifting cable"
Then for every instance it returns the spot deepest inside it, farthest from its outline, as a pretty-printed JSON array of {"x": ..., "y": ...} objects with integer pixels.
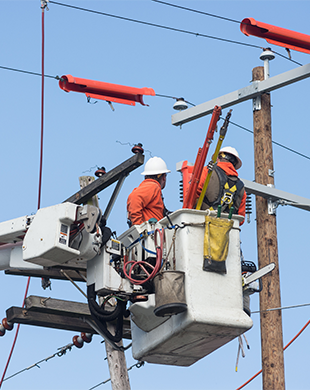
[
  {"x": 287, "y": 345},
  {"x": 43, "y": 6}
]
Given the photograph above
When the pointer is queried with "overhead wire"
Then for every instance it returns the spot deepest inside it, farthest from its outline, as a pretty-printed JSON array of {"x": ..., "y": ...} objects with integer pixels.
[
  {"x": 28, "y": 72},
  {"x": 281, "y": 308},
  {"x": 42, "y": 108},
  {"x": 43, "y": 6},
  {"x": 274, "y": 142},
  {"x": 287, "y": 345},
  {"x": 62, "y": 351},
  {"x": 219, "y": 17},
  {"x": 41, "y": 156},
  {"x": 42, "y": 122},
  {"x": 138, "y": 365},
  {"x": 162, "y": 26},
  {"x": 170, "y": 97},
  {"x": 196, "y": 11}
]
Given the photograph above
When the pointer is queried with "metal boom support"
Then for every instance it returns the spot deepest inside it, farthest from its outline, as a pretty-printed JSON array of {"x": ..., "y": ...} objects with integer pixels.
[{"x": 107, "y": 179}]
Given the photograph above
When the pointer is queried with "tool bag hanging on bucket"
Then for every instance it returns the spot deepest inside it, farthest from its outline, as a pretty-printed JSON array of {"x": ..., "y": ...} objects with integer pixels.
[{"x": 216, "y": 240}]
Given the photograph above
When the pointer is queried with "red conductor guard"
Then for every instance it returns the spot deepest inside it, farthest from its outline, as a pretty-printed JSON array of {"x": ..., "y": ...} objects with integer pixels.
[
  {"x": 105, "y": 91},
  {"x": 276, "y": 35}
]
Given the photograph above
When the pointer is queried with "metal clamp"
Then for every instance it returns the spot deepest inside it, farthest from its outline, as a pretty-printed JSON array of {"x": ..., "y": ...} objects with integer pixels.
[{"x": 257, "y": 103}]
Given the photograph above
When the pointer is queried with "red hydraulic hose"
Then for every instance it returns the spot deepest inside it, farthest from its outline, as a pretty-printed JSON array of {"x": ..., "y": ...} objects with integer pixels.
[
  {"x": 144, "y": 264},
  {"x": 42, "y": 114},
  {"x": 15, "y": 338},
  {"x": 43, "y": 5}
]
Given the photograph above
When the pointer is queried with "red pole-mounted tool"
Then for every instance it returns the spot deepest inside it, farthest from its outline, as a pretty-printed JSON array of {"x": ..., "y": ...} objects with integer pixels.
[
  {"x": 105, "y": 91},
  {"x": 276, "y": 35},
  {"x": 190, "y": 197}
]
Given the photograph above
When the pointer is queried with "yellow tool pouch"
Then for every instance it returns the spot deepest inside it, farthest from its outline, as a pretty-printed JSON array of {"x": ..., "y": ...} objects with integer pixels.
[{"x": 216, "y": 240}]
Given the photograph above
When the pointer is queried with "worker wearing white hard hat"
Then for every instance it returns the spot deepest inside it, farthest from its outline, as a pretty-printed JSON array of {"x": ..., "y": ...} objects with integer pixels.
[
  {"x": 224, "y": 183},
  {"x": 146, "y": 201}
]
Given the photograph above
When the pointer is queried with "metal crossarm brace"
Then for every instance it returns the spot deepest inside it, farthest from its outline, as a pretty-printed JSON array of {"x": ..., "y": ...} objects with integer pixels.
[
  {"x": 243, "y": 94},
  {"x": 275, "y": 196}
]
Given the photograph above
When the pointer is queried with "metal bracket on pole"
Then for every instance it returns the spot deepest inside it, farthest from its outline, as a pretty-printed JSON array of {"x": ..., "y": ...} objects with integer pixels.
[
  {"x": 272, "y": 207},
  {"x": 257, "y": 103},
  {"x": 272, "y": 204}
]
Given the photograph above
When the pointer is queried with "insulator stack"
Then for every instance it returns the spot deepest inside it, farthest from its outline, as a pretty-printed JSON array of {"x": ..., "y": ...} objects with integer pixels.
[
  {"x": 137, "y": 149},
  {"x": 5, "y": 325},
  {"x": 87, "y": 337},
  {"x": 181, "y": 191},
  {"x": 78, "y": 341},
  {"x": 248, "y": 207},
  {"x": 100, "y": 172}
]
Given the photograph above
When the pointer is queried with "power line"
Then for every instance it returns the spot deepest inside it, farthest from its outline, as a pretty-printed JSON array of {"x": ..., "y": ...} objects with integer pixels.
[
  {"x": 61, "y": 351},
  {"x": 274, "y": 142},
  {"x": 195, "y": 10},
  {"x": 156, "y": 25},
  {"x": 287, "y": 345},
  {"x": 219, "y": 17},
  {"x": 138, "y": 365},
  {"x": 173, "y": 28},
  {"x": 28, "y": 72},
  {"x": 166, "y": 96},
  {"x": 281, "y": 308}
]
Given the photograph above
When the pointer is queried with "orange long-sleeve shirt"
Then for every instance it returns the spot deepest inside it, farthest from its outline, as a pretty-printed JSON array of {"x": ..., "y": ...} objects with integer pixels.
[
  {"x": 145, "y": 202},
  {"x": 229, "y": 169}
]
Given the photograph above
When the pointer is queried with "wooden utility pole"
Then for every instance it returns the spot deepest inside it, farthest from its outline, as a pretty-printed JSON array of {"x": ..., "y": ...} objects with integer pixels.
[
  {"x": 267, "y": 246},
  {"x": 117, "y": 365}
]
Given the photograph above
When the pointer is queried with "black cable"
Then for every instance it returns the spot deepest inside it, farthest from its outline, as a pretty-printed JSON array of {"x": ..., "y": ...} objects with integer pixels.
[
  {"x": 138, "y": 365},
  {"x": 219, "y": 17},
  {"x": 167, "y": 96},
  {"x": 175, "y": 98},
  {"x": 170, "y": 28},
  {"x": 104, "y": 315},
  {"x": 281, "y": 55},
  {"x": 196, "y": 11},
  {"x": 103, "y": 328},
  {"x": 274, "y": 142},
  {"x": 156, "y": 25},
  {"x": 33, "y": 73},
  {"x": 101, "y": 320}
]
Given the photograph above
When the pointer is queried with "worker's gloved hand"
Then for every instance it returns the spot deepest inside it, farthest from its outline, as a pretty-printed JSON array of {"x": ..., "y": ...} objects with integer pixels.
[{"x": 210, "y": 165}]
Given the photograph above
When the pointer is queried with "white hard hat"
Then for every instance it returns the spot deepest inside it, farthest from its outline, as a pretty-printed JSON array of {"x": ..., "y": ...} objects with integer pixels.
[
  {"x": 233, "y": 151},
  {"x": 155, "y": 166}
]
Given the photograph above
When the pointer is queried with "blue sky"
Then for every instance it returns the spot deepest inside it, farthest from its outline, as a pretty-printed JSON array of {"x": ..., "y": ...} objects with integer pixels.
[{"x": 79, "y": 137}]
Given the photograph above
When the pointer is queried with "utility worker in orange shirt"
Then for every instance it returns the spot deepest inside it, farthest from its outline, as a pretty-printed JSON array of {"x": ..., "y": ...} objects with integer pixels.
[
  {"x": 224, "y": 185},
  {"x": 146, "y": 201}
]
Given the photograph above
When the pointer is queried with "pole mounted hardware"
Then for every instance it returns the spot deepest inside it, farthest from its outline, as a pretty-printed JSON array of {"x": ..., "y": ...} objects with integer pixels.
[
  {"x": 276, "y": 35},
  {"x": 105, "y": 91}
]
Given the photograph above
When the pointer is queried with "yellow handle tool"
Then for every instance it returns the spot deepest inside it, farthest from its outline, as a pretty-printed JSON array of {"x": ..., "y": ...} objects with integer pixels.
[{"x": 214, "y": 158}]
